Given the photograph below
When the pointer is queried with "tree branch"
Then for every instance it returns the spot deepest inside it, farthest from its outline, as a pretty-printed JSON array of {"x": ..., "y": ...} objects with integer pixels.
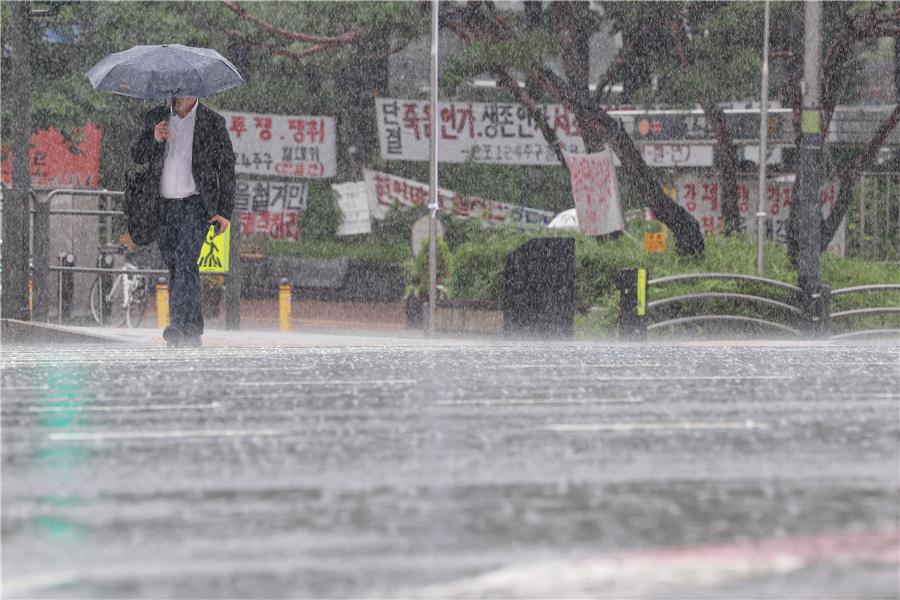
[
  {"x": 279, "y": 51},
  {"x": 341, "y": 40}
]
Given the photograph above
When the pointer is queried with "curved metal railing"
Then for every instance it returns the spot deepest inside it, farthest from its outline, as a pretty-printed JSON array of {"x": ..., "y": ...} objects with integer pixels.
[
  {"x": 813, "y": 317},
  {"x": 792, "y": 311}
]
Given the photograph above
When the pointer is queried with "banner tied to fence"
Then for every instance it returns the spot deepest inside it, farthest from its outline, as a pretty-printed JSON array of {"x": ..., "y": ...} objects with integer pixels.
[
  {"x": 596, "y": 192},
  {"x": 699, "y": 193},
  {"x": 385, "y": 190}
]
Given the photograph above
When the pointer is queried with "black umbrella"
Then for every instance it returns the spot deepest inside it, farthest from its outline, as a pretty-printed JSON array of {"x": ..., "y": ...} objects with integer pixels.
[{"x": 164, "y": 71}]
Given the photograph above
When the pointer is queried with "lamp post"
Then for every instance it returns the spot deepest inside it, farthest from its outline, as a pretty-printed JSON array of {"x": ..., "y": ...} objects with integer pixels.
[
  {"x": 433, "y": 175},
  {"x": 811, "y": 171},
  {"x": 763, "y": 132}
]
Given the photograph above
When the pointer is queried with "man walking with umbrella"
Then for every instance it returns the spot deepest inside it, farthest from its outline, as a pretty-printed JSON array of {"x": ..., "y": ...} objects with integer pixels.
[
  {"x": 190, "y": 162},
  {"x": 189, "y": 158}
]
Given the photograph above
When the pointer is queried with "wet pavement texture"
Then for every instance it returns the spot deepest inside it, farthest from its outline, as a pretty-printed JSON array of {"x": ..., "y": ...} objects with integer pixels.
[{"x": 451, "y": 470}]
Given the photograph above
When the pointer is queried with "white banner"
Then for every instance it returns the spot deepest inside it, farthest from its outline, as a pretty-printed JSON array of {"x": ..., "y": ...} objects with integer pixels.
[
  {"x": 699, "y": 194},
  {"x": 269, "y": 196},
  {"x": 354, "y": 203},
  {"x": 500, "y": 133},
  {"x": 386, "y": 190},
  {"x": 596, "y": 192},
  {"x": 288, "y": 146},
  {"x": 494, "y": 133}
]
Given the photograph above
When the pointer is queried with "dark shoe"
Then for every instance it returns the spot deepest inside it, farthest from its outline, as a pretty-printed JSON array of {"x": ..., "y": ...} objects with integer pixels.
[{"x": 174, "y": 336}]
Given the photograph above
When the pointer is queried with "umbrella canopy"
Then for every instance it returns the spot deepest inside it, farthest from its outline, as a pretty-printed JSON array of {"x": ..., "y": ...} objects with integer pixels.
[{"x": 164, "y": 71}]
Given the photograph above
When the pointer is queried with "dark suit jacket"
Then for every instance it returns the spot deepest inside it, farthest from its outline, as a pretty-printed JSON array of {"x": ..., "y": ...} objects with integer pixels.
[{"x": 212, "y": 163}]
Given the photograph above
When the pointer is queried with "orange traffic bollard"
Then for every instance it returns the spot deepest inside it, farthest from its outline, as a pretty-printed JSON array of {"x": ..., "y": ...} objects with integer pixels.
[
  {"x": 162, "y": 303},
  {"x": 284, "y": 305}
]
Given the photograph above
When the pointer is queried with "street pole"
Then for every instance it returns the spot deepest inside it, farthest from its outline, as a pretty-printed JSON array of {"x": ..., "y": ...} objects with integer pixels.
[
  {"x": 763, "y": 132},
  {"x": 811, "y": 171},
  {"x": 16, "y": 203},
  {"x": 433, "y": 175}
]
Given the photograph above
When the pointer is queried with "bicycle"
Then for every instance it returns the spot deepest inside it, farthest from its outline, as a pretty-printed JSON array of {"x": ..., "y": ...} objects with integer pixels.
[{"x": 125, "y": 297}]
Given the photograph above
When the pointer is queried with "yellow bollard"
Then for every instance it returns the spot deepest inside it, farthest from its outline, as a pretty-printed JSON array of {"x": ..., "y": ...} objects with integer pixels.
[
  {"x": 162, "y": 304},
  {"x": 284, "y": 305},
  {"x": 31, "y": 299}
]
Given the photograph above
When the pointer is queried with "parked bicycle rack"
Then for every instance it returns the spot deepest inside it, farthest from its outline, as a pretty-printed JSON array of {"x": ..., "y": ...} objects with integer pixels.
[
  {"x": 41, "y": 212},
  {"x": 811, "y": 322}
]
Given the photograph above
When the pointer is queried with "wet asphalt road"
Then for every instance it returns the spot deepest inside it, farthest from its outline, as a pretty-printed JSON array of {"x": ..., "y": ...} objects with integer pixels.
[{"x": 457, "y": 470}]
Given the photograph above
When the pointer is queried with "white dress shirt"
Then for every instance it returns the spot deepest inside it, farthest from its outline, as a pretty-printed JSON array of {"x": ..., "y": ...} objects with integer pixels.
[{"x": 177, "y": 178}]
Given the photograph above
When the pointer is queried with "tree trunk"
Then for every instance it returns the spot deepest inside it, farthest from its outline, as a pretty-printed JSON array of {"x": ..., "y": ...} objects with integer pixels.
[
  {"x": 726, "y": 162},
  {"x": 688, "y": 237}
]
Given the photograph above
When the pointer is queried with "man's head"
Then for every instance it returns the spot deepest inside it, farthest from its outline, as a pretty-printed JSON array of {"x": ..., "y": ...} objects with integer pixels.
[{"x": 183, "y": 105}]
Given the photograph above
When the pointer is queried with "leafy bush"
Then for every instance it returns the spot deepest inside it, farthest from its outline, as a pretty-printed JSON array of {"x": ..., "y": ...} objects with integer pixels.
[
  {"x": 478, "y": 274},
  {"x": 479, "y": 266},
  {"x": 417, "y": 270},
  {"x": 396, "y": 227},
  {"x": 322, "y": 217}
]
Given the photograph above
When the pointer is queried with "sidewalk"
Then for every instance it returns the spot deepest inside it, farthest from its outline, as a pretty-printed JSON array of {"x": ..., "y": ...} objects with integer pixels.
[{"x": 24, "y": 333}]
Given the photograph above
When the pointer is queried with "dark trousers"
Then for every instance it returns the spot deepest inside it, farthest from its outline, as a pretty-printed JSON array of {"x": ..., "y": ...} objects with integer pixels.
[{"x": 180, "y": 241}]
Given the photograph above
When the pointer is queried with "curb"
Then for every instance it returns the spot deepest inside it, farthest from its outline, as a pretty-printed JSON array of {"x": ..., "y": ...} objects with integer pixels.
[{"x": 15, "y": 332}]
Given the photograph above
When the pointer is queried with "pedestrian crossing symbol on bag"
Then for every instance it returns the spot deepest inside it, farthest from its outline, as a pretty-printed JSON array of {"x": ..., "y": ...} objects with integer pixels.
[{"x": 215, "y": 252}]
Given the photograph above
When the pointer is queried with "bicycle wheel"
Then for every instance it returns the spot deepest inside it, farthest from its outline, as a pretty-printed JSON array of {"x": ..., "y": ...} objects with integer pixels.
[
  {"x": 113, "y": 305},
  {"x": 139, "y": 297}
]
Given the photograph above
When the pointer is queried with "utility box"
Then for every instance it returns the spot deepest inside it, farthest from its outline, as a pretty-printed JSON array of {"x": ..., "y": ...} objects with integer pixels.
[{"x": 539, "y": 301}]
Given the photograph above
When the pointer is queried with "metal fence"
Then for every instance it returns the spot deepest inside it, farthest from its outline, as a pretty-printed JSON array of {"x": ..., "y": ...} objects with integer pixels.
[
  {"x": 781, "y": 310},
  {"x": 874, "y": 220},
  {"x": 110, "y": 223}
]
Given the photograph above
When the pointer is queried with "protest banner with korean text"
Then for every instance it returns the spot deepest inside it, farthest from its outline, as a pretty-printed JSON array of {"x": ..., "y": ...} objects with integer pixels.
[
  {"x": 270, "y": 208},
  {"x": 699, "y": 194},
  {"x": 54, "y": 166},
  {"x": 494, "y": 133},
  {"x": 386, "y": 190},
  {"x": 283, "y": 145},
  {"x": 596, "y": 192},
  {"x": 501, "y": 133}
]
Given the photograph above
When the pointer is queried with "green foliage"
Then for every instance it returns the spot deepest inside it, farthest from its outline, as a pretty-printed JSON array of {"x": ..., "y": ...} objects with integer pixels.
[
  {"x": 417, "y": 269},
  {"x": 396, "y": 227},
  {"x": 62, "y": 97},
  {"x": 322, "y": 217},
  {"x": 478, "y": 266},
  {"x": 478, "y": 274}
]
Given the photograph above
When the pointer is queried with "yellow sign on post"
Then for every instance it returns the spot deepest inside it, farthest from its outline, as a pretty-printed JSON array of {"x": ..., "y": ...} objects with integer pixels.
[
  {"x": 655, "y": 242},
  {"x": 215, "y": 253}
]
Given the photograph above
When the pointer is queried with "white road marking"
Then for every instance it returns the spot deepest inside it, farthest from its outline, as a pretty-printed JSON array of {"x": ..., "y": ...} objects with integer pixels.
[
  {"x": 592, "y": 365},
  {"x": 334, "y": 382},
  {"x": 691, "y": 377},
  {"x": 564, "y": 427},
  {"x": 537, "y": 401},
  {"x": 123, "y": 408},
  {"x": 611, "y": 578},
  {"x": 142, "y": 435},
  {"x": 26, "y": 585},
  {"x": 23, "y": 388}
]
